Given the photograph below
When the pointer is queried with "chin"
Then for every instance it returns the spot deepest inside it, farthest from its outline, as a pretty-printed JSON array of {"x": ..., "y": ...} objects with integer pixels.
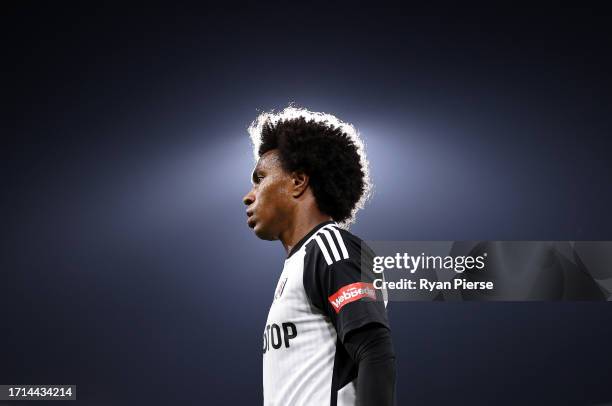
[{"x": 264, "y": 234}]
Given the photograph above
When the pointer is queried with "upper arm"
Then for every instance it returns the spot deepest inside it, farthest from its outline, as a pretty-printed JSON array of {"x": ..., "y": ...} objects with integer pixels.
[{"x": 339, "y": 289}]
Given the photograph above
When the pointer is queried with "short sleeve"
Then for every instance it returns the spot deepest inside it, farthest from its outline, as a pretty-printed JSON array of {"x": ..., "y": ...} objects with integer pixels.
[{"x": 340, "y": 290}]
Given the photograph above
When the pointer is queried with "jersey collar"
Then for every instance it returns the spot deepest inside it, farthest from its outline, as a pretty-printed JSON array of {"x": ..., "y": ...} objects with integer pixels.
[{"x": 307, "y": 236}]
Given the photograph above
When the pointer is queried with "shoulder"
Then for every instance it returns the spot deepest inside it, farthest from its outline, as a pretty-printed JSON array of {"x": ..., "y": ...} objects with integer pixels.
[{"x": 332, "y": 244}]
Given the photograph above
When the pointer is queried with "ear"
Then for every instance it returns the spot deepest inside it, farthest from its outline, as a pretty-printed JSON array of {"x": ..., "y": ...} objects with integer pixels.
[{"x": 299, "y": 182}]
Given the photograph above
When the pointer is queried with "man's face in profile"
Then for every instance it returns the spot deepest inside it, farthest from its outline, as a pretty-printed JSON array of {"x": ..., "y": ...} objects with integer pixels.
[{"x": 269, "y": 201}]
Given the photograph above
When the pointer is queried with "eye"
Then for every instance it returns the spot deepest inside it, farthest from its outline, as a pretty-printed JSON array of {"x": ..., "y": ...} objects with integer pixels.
[{"x": 257, "y": 178}]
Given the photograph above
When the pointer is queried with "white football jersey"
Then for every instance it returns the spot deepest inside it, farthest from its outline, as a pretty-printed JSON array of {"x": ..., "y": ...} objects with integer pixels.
[{"x": 320, "y": 297}]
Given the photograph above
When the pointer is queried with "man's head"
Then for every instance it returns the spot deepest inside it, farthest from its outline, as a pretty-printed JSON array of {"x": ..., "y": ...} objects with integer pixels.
[{"x": 304, "y": 158}]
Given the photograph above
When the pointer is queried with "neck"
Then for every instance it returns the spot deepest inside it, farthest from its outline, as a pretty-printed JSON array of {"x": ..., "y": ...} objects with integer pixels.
[{"x": 301, "y": 226}]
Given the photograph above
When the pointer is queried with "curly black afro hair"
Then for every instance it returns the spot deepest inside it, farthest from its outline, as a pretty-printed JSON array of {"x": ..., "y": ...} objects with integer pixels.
[{"x": 326, "y": 149}]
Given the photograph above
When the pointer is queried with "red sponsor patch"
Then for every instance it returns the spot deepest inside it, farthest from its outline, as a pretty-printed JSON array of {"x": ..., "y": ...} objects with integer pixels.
[{"x": 350, "y": 293}]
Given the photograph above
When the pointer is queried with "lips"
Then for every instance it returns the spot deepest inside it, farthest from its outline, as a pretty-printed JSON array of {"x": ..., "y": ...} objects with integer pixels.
[{"x": 250, "y": 219}]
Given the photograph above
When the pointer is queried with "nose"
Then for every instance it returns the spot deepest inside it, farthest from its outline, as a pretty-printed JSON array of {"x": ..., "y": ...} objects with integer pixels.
[{"x": 249, "y": 198}]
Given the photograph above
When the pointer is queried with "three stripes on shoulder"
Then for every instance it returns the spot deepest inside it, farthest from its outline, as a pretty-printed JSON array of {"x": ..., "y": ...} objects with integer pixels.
[{"x": 334, "y": 242}]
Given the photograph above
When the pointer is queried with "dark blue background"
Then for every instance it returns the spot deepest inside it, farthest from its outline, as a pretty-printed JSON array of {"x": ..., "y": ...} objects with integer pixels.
[{"x": 127, "y": 266}]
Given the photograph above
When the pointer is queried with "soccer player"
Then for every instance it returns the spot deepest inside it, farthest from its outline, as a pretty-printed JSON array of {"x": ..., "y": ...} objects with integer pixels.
[{"x": 327, "y": 339}]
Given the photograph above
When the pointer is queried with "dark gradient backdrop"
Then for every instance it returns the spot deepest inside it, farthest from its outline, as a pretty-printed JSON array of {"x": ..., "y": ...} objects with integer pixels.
[{"x": 127, "y": 266}]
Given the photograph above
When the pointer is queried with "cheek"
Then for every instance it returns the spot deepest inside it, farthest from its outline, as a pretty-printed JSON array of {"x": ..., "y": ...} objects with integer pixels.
[
  {"x": 265, "y": 199},
  {"x": 273, "y": 196}
]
